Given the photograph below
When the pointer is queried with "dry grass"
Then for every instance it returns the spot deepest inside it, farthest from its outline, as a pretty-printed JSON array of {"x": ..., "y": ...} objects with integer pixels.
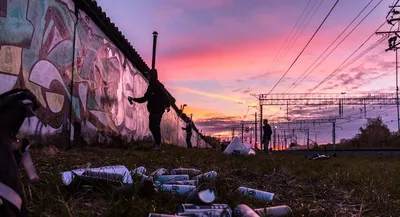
[{"x": 343, "y": 186}]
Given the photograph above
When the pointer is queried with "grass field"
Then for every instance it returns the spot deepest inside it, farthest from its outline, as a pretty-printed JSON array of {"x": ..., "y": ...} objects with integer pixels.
[{"x": 342, "y": 186}]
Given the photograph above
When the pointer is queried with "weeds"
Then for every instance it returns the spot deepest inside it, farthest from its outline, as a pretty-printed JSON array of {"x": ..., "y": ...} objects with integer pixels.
[{"x": 342, "y": 186}]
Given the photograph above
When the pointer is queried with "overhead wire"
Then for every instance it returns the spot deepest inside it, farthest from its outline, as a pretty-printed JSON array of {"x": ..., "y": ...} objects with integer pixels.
[
  {"x": 309, "y": 41},
  {"x": 329, "y": 46},
  {"x": 348, "y": 34},
  {"x": 284, "y": 47},
  {"x": 333, "y": 72}
]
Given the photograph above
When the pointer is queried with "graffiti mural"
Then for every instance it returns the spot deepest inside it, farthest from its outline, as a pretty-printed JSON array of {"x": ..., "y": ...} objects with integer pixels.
[{"x": 75, "y": 71}]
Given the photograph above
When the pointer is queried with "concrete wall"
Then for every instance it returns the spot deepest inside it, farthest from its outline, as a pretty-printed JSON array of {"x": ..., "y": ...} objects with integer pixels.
[{"x": 37, "y": 52}]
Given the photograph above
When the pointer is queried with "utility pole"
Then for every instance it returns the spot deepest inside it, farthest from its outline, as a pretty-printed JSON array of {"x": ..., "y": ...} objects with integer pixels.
[
  {"x": 242, "y": 131},
  {"x": 233, "y": 133},
  {"x": 255, "y": 130},
  {"x": 393, "y": 46},
  {"x": 334, "y": 135},
  {"x": 261, "y": 125},
  {"x": 308, "y": 139},
  {"x": 285, "y": 139},
  {"x": 274, "y": 137}
]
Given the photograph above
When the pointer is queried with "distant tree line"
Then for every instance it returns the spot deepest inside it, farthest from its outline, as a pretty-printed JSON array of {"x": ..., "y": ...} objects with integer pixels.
[{"x": 375, "y": 134}]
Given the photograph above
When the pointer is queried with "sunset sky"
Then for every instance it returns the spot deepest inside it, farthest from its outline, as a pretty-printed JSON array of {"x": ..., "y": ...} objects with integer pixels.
[{"x": 212, "y": 54}]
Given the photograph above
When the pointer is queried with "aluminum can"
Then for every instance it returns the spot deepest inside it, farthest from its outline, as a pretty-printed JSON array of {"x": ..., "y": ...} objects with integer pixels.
[{"x": 256, "y": 194}]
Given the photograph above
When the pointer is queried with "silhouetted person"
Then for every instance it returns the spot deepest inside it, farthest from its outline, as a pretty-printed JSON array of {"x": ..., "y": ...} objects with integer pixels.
[
  {"x": 267, "y": 132},
  {"x": 157, "y": 101},
  {"x": 188, "y": 129}
]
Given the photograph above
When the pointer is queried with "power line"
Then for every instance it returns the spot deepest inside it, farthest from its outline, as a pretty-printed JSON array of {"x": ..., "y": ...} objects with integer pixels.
[
  {"x": 330, "y": 45},
  {"x": 326, "y": 17},
  {"x": 278, "y": 58},
  {"x": 337, "y": 45},
  {"x": 332, "y": 73},
  {"x": 304, "y": 27},
  {"x": 372, "y": 79}
]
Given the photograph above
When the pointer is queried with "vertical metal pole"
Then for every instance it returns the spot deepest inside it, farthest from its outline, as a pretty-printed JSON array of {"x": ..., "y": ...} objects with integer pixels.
[
  {"x": 334, "y": 135},
  {"x": 365, "y": 109},
  {"x": 242, "y": 131},
  {"x": 153, "y": 62},
  {"x": 308, "y": 139},
  {"x": 397, "y": 95},
  {"x": 255, "y": 130},
  {"x": 233, "y": 133},
  {"x": 261, "y": 125},
  {"x": 287, "y": 112},
  {"x": 285, "y": 140},
  {"x": 274, "y": 138},
  {"x": 279, "y": 143}
]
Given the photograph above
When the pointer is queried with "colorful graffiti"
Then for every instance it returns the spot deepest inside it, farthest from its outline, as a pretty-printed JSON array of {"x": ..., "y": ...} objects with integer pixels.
[{"x": 74, "y": 69}]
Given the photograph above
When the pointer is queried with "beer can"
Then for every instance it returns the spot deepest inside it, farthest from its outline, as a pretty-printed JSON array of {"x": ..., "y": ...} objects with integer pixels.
[
  {"x": 103, "y": 175},
  {"x": 200, "y": 208},
  {"x": 160, "y": 215},
  {"x": 141, "y": 170},
  {"x": 243, "y": 210},
  {"x": 168, "y": 178},
  {"x": 189, "y": 171},
  {"x": 204, "y": 194},
  {"x": 177, "y": 190},
  {"x": 208, "y": 176},
  {"x": 159, "y": 172},
  {"x": 208, "y": 213},
  {"x": 275, "y": 211},
  {"x": 185, "y": 182},
  {"x": 256, "y": 194}
]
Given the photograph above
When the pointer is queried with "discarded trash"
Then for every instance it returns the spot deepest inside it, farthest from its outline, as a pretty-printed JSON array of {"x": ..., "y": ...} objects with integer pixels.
[
  {"x": 275, "y": 211},
  {"x": 68, "y": 176},
  {"x": 189, "y": 171},
  {"x": 141, "y": 177},
  {"x": 319, "y": 157},
  {"x": 208, "y": 213},
  {"x": 204, "y": 194},
  {"x": 185, "y": 182},
  {"x": 160, "y": 215},
  {"x": 177, "y": 190},
  {"x": 159, "y": 172},
  {"x": 185, "y": 208},
  {"x": 167, "y": 178},
  {"x": 237, "y": 147},
  {"x": 145, "y": 188},
  {"x": 103, "y": 176},
  {"x": 243, "y": 210},
  {"x": 141, "y": 170},
  {"x": 208, "y": 176},
  {"x": 29, "y": 167},
  {"x": 256, "y": 194}
]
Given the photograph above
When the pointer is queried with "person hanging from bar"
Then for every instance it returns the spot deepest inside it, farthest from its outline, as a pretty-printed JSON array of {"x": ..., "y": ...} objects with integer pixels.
[
  {"x": 188, "y": 129},
  {"x": 157, "y": 102},
  {"x": 267, "y": 132}
]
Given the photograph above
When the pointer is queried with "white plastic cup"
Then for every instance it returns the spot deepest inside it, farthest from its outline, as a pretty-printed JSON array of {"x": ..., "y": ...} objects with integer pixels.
[{"x": 256, "y": 194}]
